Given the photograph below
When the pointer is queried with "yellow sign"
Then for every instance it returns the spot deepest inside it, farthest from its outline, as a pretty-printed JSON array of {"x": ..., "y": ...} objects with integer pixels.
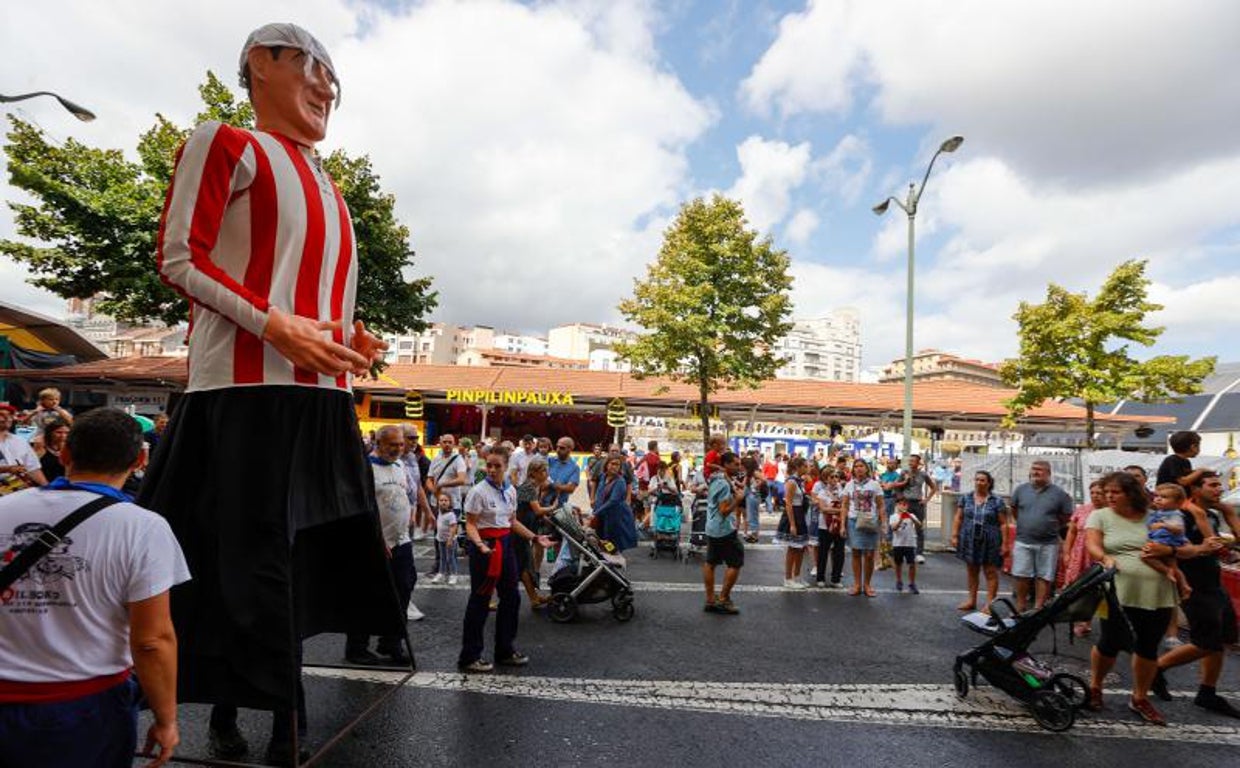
[
  {"x": 695, "y": 411},
  {"x": 372, "y": 425},
  {"x": 617, "y": 413},
  {"x": 413, "y": 404},
  {"x": 508, "y": 397}
]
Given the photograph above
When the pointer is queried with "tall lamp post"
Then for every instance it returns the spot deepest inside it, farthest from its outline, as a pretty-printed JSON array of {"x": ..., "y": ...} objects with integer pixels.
[
  {"x": 80, "y": 112},
  {"x": 909, "y": 206}
]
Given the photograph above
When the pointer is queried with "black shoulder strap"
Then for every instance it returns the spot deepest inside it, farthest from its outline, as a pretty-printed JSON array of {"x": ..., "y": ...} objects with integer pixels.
[
  {"x": 449, "y": 464},
  {"x": 48, "y": 540}
]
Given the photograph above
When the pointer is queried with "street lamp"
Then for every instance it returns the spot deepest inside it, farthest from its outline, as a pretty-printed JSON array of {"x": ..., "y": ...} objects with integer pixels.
[
  {"x": 81, "y": 113},
  {"x": 909, "y": 206}
]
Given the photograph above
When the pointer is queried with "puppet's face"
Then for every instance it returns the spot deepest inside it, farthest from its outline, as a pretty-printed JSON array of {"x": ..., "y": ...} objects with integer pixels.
[{"x": 299, "y": 94}]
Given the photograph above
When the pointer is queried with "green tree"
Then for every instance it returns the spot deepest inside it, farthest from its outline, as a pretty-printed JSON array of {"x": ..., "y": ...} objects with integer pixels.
[
  {"x": 713, "y": 304},
  {"x": 92, "y": 225},
  {"x": 1074, "y": 346}
]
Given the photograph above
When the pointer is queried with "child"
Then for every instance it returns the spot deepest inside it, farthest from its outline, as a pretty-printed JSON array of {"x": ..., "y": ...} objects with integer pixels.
[
  {"x": 445, "y": 540},
  {"x": 1166, "y": 524},
  {"x": 904, "y": 527}
]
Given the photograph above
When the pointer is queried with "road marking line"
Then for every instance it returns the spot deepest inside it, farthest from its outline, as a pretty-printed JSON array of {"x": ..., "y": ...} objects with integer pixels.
[
  {"x": 930, "y": 706},
  {"x": 677, "y": 586}
]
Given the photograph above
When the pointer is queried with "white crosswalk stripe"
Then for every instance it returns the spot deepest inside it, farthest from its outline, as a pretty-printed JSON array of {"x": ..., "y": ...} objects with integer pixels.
[{"x": 931, "y": 706}]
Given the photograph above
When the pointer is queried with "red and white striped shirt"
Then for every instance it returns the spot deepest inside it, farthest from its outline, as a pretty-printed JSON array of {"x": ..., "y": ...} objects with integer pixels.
[{"x": 253, "y": 222}]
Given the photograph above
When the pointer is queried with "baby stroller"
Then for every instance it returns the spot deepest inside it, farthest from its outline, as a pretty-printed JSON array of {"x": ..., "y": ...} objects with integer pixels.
[
  {"x": 667, "y": 519},
  {"x": 1004, "y": 661},
  {"x": 697, "y": 529},
  {"x": 590, "y": 575}
]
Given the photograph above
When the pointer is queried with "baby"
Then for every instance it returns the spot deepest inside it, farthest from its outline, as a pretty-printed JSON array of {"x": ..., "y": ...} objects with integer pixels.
[{"x": 1166, "y": 525}]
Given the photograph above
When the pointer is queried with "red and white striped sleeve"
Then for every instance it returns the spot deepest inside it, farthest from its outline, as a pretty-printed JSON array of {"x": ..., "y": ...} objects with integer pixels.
[{"x": 216, "y": 163}]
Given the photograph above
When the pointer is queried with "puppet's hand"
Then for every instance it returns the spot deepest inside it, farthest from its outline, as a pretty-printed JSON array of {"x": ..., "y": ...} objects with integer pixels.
[
  {"x": 367, "y": 345},
  {"x": 302, "y": 341}
]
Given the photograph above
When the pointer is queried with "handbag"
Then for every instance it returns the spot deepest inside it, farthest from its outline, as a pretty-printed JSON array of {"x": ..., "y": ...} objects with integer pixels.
[{"x": 29, "y": 556}]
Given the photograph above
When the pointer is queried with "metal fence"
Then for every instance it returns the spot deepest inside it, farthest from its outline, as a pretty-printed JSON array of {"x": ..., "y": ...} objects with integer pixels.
[{"x": 1075, "y": 471}]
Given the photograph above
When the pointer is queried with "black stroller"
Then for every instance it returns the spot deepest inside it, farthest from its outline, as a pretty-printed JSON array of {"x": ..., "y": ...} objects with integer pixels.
[
  {"x": 697, "y": 529},
  {"x": 1054, "y": 698},
  {"x": 591, "y": 575}
]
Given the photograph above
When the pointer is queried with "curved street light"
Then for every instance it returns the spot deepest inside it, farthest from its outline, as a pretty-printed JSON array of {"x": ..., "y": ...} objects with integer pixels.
[
  {"x": 78, "y": 111},
  {"x": 909, "y": 206}
]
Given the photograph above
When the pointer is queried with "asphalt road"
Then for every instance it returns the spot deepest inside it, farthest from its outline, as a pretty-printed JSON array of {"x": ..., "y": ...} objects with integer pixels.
[{"x": 797, "y": 678}]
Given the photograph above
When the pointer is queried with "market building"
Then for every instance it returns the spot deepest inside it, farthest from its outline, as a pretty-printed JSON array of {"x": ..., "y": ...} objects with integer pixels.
[{"x": 603, "y": 407}]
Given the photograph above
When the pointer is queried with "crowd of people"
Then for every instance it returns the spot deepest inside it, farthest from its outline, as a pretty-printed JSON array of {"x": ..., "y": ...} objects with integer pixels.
[
  {"x": 1165, "y": 544},
  {"x": 491, "y": 500}
]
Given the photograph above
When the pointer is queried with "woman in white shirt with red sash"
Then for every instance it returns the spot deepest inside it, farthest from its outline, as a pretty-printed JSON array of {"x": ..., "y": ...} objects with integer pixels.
[{"x": 490, "y": 522}]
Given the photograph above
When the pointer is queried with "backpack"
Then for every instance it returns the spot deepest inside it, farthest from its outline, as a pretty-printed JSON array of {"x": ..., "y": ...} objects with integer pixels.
[{"x": 642, "y": 473}]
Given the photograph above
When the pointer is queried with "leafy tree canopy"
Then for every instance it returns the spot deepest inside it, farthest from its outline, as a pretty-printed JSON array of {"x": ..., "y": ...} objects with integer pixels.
[
  {"x": 713, "y": 304},
  {"x": 1075, "y": 346},
  {"x": 91, "y": 227}
]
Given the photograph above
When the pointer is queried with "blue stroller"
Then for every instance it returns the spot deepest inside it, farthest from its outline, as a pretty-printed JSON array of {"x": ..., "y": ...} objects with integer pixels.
[{"x": 667, "y": 520}]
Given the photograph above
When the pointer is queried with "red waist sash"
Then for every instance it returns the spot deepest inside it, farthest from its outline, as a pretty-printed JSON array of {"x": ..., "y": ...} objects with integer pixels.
[
  {"x": 50, "y": 693},
  {"x": 495, "y": 565}
]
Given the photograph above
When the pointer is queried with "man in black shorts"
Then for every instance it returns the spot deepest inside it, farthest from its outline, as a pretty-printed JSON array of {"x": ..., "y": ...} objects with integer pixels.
[
  {"x": 724, "y": 497},
  {"x": 1211, "y": 617}
]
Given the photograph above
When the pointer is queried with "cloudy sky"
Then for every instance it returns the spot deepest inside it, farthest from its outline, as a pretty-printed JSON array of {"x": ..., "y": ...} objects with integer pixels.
[{"x": 538, "y": 149}]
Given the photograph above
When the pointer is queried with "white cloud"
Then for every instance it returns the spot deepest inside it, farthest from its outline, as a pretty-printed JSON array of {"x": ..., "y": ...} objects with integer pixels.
[
  {"x": 770, "y": 171},
  {"x": 802, "y": 224},
  {"x": 1094, "y": 134},
  {"x": 1009, "y": 238},
  {"x": 846, "y": 169},
  {"x": 1061, "y": 89},
  {"x": 533, "y": 150}
]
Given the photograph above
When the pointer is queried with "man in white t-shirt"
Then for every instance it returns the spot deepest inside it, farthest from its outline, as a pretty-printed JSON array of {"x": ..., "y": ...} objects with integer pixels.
[
  {"x": 395, "y": 517},
  {"x": 19, "y": 466},
  {"x": 76, "y": 626},
  {"x": 519, "y": 462},
  {"x": 448, "y": 473}
]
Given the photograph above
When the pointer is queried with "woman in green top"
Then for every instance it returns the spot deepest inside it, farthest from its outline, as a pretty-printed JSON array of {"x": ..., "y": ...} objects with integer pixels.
[{"x": 1114, "y": 536}]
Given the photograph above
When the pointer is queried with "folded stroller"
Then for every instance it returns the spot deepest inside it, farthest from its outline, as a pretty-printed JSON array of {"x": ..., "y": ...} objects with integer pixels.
[
  {"x": 697, "y": 529},
  {"x": 590, "y": 574},
  {"x": 668, "y": 516},
  {"x": 1004, "y": 661}
]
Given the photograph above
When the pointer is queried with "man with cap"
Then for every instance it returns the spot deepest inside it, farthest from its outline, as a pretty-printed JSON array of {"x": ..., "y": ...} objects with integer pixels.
[
  {"x": 19, "y": 466},
  {"x": 282, "y": 535}
]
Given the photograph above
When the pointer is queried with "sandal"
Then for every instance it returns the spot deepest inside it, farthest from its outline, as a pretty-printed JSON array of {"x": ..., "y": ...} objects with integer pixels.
[
  {"x": 1095, "y": 700},
  {"x": 1147, "y": 712},
  {"x": 869, "y": 592},
  {"x": 854, "y": 591},
  {"x": 967, "y": 606}
]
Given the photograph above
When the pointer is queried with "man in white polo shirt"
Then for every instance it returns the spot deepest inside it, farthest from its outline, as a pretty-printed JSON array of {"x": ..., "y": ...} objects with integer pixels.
[{"x": 76, "y": 624}]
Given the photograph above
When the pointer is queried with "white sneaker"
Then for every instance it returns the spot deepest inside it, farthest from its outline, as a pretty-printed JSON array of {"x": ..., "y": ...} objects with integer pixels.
[
  {"x": 452, "y": 581},
  {"x": 413, "y": 614},
  {"x": 1172, "y": 642},
  {"x": 794, "y": 584},
  {"x": 437, "y": 578},
  {"x": 921, "y": 559}
]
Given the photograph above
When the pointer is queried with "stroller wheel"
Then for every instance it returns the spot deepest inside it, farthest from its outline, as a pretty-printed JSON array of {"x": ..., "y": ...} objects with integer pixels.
[
  {"x": 1072, "y": 688},
  {"x": 563, "y": 608},
  {"x": 622, "y": 608},
  {"x": 1052, "y": 710},
  {"x": 961, "y": 679}
]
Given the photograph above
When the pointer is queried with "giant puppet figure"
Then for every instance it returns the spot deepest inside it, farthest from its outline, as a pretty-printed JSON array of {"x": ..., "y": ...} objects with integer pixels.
[{"x": 261, "y": 472}]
